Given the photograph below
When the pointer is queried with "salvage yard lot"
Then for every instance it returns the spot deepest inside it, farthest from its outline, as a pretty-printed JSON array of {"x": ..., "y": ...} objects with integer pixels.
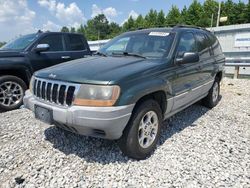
[{"x": 198, "y": 147}]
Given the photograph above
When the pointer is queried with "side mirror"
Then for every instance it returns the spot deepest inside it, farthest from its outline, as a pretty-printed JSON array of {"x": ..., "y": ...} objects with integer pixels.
[
  {"x": 188, "y": 57},
  {"x": 42, "y": 47}
]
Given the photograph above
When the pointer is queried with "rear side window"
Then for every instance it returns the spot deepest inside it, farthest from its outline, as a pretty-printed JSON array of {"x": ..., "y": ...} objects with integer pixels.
[
  {"x": 215, "y": 45},
  {"x": 54, "y": 41},
  {"x": 203, "y": 44},
  {"x": 76, "y": 43}
]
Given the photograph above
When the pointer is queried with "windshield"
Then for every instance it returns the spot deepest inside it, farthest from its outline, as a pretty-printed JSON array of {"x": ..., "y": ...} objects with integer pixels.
[
  {"x": 148, "y": 45},
  {"x": 20, "y": 43}
]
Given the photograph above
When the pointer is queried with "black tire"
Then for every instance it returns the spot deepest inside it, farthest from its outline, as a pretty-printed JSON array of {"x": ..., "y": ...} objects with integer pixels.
[
  {"x": 22, "y": 87},
  {"x": 210, "y": 101},
  {"x": 129, "y": 142}
]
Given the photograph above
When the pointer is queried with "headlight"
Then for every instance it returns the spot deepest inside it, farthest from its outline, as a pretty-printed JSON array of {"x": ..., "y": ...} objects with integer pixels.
[
  {"x": 95, "y": 95},
  {"x": 31, "y": 84}
]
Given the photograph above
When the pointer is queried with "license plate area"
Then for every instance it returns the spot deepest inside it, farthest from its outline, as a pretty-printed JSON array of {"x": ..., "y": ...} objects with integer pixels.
[{"x": 44, "y": 114}]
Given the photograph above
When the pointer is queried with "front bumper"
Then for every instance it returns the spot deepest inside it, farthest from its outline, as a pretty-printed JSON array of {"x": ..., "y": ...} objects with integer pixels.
[{"x": 104, "y": 122}]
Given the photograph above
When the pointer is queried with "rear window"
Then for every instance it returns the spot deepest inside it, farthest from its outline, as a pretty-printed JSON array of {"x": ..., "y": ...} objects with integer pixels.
[{"x": 76, "y": 43}]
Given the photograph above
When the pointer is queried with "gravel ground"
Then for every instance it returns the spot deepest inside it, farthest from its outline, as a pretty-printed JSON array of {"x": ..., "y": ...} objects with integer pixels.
[{"x": 198, "y": 148}]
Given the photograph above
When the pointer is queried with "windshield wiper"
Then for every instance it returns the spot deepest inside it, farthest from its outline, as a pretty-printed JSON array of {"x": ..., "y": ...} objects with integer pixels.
[
  {"x": 129, "y": 54},
  {"x": 100, "y": 54}
]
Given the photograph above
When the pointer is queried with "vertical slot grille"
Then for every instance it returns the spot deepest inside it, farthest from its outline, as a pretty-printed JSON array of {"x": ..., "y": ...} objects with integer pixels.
[{"x": 54, "y": 92}]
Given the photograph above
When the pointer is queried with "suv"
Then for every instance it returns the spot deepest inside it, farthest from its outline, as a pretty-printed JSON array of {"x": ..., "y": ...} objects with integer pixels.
[
  {"x": 20, "y": 58},
  {"x": 130, "y": 86}
]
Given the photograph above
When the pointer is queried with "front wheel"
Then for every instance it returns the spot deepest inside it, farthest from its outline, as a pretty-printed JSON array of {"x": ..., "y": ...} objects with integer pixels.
[
  {"x": 212, "y": 99},
  {"x": 143, "y": 130},
  {"x": 12, "y": 91}
]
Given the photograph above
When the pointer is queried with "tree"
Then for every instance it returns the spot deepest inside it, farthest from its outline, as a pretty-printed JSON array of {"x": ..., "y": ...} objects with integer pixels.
[
  {"x": 151, "y": 19},
  {"x": 195, "y": 14},
  {"x": 81, "y": 30},
  {"x": 129, "y": 25},
  {"x": 210, "y": 8},
  {"x": 174, "y": 16},
  {"x": 140, "y": 22},
  {"x": 161, "y": 19},
  {"x": 184, "y": 15},
  {"x": 241, "y": 13},
  {"x": 72, "y": 30},
  {"x": 248, "y": 12},
  {"x": 2, "y": 43},
  {"x": 115, "y": 30},
  {"x": 65, "y": 29},
  {"x": 97, "y": 28}
]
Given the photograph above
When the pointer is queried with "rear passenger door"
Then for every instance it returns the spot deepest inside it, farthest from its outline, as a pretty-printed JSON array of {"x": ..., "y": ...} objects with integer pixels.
[
  {"x": 76, "y": 45},
  {"x": 206, "y": 58}
]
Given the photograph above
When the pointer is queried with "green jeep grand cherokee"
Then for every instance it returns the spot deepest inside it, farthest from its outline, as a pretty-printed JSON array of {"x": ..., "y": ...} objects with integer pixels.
[{"x": 130, "y": 86}]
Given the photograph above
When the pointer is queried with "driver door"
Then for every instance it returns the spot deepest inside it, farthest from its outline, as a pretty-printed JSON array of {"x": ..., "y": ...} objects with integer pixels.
[
  {"x": 187, "y": 75},
  {"x": 54, "y": 55}
]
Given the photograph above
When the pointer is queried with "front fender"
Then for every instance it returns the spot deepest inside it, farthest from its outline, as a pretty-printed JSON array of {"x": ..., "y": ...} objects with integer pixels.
[{"x": 132, "y": 93}]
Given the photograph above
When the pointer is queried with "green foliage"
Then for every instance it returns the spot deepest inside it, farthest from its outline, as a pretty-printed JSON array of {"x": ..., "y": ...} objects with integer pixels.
[
  {"x": 197, "y": 13},
  {"x": 140, "y": 22},
  {"x": 174, "y": 16},
  {"x": 2, "y": 43},
  {"x": 72, "y": 30},
  {"x": 65, "y": 29},
  {"x": 161, "y": 19}
]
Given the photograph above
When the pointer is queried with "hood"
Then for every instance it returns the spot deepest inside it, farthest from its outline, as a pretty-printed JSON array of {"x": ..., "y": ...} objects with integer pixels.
[
  {"x": 9, "y": 53},
  {"x": 97, "y": 70}
]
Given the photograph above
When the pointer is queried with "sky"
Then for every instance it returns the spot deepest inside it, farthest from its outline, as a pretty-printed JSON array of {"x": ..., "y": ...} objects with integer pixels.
[{"x": 19, "y": 17}]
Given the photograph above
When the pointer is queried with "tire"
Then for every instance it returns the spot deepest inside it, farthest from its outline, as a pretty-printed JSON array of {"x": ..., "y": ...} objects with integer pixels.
[
  {"x": 129, "y": 142},
  {"x": 212, "y": 99},
  {"x": 12, "y": 90}
]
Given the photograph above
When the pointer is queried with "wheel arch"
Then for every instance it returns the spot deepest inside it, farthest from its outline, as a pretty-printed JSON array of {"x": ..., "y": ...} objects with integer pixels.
[{"x": 22, "y": 74}]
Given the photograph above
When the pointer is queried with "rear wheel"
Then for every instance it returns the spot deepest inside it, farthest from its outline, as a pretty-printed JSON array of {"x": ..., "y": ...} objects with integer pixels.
[
  {"x": 12, "y": 91},
  {"x": 212, "y": 99},
  {"x": 143, "y": 130}
]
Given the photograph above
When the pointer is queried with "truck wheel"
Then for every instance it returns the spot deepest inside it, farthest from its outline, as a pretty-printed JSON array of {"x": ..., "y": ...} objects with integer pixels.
[
  {"x": 142, "y": 132},
  {"x": 212, "y": 99},
  {"x": 12, "y": 91}
]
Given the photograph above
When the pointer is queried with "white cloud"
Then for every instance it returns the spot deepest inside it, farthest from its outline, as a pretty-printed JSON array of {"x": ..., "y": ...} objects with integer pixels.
[
  {"x": 70, "y": 15},
  {"x": 51, "y": 26},
  {"x": 15, "y": 18},
  {"x": 132, "y": 14},
  {"x": 109, "y": 12}
]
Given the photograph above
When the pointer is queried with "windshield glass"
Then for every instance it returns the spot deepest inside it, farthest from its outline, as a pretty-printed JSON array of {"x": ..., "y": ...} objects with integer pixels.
[
  {"x": 149, "y": 45},
  {"x": 20, "y": 43}
]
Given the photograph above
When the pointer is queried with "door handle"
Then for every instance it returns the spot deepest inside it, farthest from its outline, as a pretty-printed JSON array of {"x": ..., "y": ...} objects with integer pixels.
[{"x": 65, "y": 57}]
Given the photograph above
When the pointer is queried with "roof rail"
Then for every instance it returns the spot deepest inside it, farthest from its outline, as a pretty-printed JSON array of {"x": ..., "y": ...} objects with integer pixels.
[{"x": 190, "y": 26}]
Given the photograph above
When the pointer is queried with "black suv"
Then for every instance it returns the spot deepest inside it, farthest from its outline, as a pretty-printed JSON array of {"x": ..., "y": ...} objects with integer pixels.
[
  {"x": 20, "y": 58},
  {"x": 137, "y": 80}
]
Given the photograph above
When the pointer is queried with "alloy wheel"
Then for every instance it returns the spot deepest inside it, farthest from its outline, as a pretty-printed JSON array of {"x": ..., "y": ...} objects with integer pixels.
[
  {"x": 11, "y": 93},
  {"x": 148, "y": 129}
]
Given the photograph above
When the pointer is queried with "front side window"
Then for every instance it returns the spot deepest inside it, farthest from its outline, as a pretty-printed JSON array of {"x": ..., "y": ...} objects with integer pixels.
[
  {"x": 76, "y": 43},
  {"x": 149, "y": 45},
  {"x": 186, "y": 44},
  {"x": 54, "y": 41},
  {"x": 20, "y": 43}
]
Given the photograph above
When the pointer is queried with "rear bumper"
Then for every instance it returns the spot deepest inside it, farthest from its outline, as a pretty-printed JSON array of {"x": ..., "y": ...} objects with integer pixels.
[{"x": 104, "y": 122}]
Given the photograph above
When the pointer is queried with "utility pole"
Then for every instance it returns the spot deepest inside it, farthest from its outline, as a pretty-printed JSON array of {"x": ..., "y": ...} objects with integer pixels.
[
  {"x": 218, "y": 16},
  {"x": 212, "y": 20}
]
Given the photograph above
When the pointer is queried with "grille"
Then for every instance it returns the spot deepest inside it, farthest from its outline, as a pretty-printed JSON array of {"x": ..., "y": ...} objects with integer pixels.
[{"x": 60, "y": 93}]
